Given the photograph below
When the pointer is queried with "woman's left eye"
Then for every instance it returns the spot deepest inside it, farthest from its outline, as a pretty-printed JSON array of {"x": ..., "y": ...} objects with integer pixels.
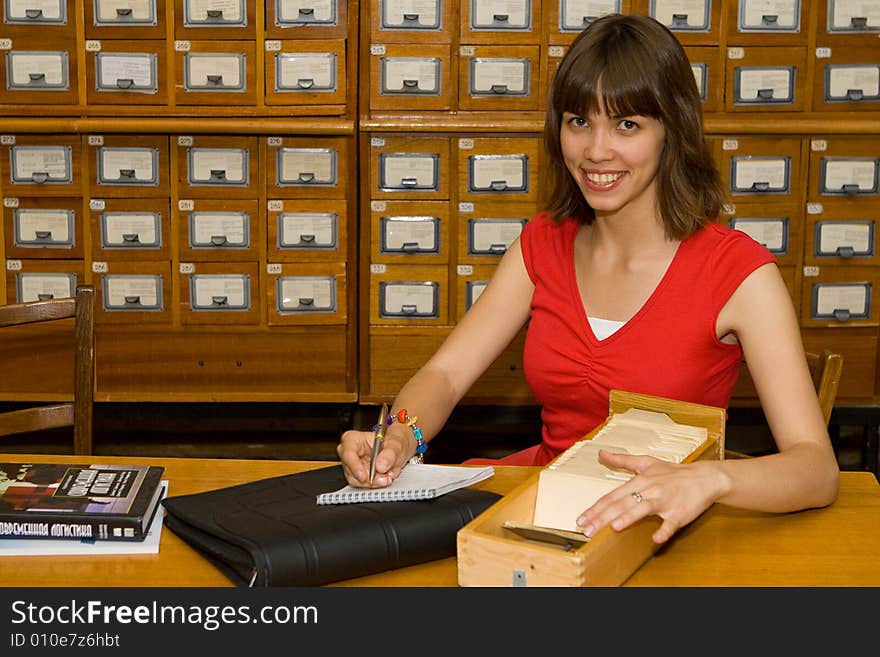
[{"x": 628, "y": 125}]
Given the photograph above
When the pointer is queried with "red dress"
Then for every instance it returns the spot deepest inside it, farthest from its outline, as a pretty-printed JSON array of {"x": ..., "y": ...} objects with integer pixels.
[{"x": 668, "y": 348}]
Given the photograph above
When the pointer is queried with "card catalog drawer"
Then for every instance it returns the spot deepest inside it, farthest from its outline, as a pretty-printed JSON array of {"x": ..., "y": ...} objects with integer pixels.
[
  {"x": 409, "y": 231},
  {"x": 694, "y": 22},
  {"x": 841, "y": 234},
  {"x": 306, "y": 72},
  {"x": 219, "y": 292},
  {"x": 411, "y": 77},
  {"x": 858, "y": 347},
  {"x": 772, "y": 78},
  {"x": 754, "y": 168},
  {"x": 498, "y": 168},
  {"x": 763, "y": 23},
  {"x": 307, "y": 19},
  {"x": 409, "y": 294},
  {"x": 846, "y": 79},
  {"x": 215, "y": 230},
  {"x": 37, "y": 165},
  {"x": 125, "y": 19},
  {"x": 708, "y": 70},
  {"x": 486, "y": 230},
  {"x": 133, "y": 293},
  {"x": 129, "y": 165},
  {"x": 215, "y": 166},
  {"x": 215, "y": 73},
  {"x": 43, "y": 227},
  {"x": 36, "y": 72},
  {"x": 309, "y": 167},
  {"x": 126, "y": 72},
  {"x": 470, "y": 282},
  {"x": 778, "y": 226},
  {"x": 215, "y": 19},
  {"x": 566, "y": 18},
  {"x": 410, "y": 167},
  {"x": 836, "y": 296},
  {"x": 130, "y": 229},
  {"x": 498, "y": 78},
  {"x": 44, "y": 19},
  {"x": 307, "y": 294},
  {"x": 845, "y": 168},
  {"x": 848, "y": 24},
  {"x": 35, "y": 280},
  {"x": 314, "y": 230},
  {"x": 500, "y": 21},
  {"x": 402, "y": 21}
]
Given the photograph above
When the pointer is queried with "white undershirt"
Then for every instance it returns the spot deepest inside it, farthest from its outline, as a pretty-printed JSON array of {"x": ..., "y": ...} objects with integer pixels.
[{"x": 602, "y": 328}]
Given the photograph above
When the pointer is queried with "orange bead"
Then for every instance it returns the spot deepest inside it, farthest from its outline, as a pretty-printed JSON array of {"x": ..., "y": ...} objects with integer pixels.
[{"x": 401, "y": 415}]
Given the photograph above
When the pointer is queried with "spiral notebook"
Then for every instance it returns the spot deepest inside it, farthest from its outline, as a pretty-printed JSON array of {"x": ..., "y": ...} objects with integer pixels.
[{"x": 417, "y": 481}]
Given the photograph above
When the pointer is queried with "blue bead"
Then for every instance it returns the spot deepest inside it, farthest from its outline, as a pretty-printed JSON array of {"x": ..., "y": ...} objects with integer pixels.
[
  {"x": 422, "y": 448},
  {"x": 417, "y": 433}
]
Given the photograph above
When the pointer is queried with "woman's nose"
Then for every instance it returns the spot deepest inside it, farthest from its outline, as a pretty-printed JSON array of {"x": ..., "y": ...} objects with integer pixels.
[{"x": 598, "y": 147}]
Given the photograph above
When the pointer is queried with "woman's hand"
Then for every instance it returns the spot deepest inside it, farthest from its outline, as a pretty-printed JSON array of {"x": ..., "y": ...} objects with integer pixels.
[
  {"x": 678, "y": 493},
  {"x": 355, "y": 449}
]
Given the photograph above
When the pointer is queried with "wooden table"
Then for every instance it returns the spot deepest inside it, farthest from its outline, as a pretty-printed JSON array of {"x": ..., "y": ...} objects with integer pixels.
[{"x": 835, "y": 546}]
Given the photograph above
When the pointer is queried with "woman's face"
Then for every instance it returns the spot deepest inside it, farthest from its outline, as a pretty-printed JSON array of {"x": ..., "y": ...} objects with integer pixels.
[{"x": 613, "y": 160}]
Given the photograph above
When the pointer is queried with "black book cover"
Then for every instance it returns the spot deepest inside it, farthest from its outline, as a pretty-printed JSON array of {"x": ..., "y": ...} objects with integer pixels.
[
  {"x": 273, "y": 533},
  {"x": 75, "y": 501}
]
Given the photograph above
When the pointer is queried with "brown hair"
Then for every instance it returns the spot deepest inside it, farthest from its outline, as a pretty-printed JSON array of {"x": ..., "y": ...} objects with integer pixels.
[{"x": 643, "y": 70}]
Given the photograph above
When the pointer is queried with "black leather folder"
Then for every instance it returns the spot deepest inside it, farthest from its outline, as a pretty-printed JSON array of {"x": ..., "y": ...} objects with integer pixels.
[{"x": 272, "y": 533}]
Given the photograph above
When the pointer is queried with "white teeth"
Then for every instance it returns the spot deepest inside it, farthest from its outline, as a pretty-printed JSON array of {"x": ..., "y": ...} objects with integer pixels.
[{"x": 603, "y": 178}]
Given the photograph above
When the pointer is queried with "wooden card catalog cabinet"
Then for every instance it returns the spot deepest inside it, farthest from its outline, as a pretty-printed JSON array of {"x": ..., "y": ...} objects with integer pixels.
[
  {"x": 847, "y": 23},
  {"x": 130, "y": 229},
  {"x": 214, "y": 19},
  {"x": 308, "y": 167},
  {"x": 124, "y": 19},
  {"x": 404, "y": 167},
  {"x": 498, "y": 78},
  {"x": 841, "y": 234},
  {"x": 307, "y": 294},
  {"x": 756, "y": 168},
  {"x": 839, "y": 296},
  {"x": 694, "y": 22},
  {"x": 126, "y": 72},
  {"x": 133, "y": 292},
  {"x": 772, "y": 78},
  {"x": 500, "y": 21},
  {"x": 218, "y": 293},
  {"x": 35, "y": 72},
  {"x": 847, "y": 79},
  {"x": 38, "y": 280},
  {"x": 41, "y": 165},
  {"x": 402, "y": 21},
  {"x": 306, "y": 72},
  {"x": 566, "y": 18},
  {"x": 845, "y": 168},
  {"x": 129, "y": 165},
  {"x": 412, "y": 295},
  {"x": 470, "y": 281},
  {"x": 486, "y": 230},
  {"x": 306, "y": 19},
  {"x": 217, "y": 167},
  {"x": 314, "y": 230},
  {"x": 778, "y": 226},
  {"x": 492, "y": 168},
  {"x": 215, "y": 73},
  {"x": 46, "y": 19},
  {"x": 763, "y": 23},
  {"x": 708, "y": 70},
  {"x": 411, "y": 77},
  {"x": 224, "y": 230},
  {"x": 43, "y": 227},
  {"x": 409, "y": 231}
]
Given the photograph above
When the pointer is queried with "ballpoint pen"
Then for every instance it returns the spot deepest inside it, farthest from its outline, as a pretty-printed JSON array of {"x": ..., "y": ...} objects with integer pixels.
[{"x": 378, "y": 437}]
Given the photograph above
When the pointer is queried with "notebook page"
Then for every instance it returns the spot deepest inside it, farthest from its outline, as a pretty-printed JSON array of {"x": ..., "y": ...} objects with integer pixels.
[{"x": 417, "y": 481}]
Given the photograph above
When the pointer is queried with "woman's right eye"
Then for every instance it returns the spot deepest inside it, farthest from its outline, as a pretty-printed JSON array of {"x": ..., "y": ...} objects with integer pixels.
[{"x": 577, "y": 121}]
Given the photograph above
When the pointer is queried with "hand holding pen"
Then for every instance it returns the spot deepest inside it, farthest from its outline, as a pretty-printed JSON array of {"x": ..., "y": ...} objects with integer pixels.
[{"x": 378, "y": 439}]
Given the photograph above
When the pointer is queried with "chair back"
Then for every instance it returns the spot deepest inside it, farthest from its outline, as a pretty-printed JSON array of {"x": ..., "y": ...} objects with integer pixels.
[
  {"x": 826, "y": 368},
  {"x": 78, "y": 413}
]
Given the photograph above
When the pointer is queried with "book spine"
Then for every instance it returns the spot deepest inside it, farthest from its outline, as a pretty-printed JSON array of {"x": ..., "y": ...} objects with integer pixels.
[{"x": 50, "y": 526}]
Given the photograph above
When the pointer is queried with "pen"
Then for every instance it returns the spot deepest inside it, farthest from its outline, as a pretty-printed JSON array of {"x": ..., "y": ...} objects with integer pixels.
[{"x": 378, "y": 437}]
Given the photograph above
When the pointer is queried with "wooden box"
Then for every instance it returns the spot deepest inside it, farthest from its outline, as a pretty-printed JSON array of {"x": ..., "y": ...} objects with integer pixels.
[{"x": 490, "y": 555}]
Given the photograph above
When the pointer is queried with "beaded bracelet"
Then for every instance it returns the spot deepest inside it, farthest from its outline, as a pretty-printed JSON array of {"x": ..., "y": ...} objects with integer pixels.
[{"x": 410, "y": 420}]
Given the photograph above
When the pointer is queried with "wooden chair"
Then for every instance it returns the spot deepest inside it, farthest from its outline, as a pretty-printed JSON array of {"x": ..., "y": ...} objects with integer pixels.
[
  {"x": 77, "y": 413},
  {"x": 825, "y": 369}
]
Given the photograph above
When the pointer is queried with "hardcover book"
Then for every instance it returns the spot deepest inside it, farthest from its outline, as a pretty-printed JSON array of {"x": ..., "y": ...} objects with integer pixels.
[{"x": 73, "y": 501}]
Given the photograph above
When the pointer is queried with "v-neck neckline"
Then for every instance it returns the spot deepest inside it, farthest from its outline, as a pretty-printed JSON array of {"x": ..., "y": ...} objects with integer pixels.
[{"x": 578, "y": 299}]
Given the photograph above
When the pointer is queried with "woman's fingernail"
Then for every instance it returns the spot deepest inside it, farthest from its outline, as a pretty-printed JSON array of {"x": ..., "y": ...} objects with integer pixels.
[{"x": 589, "y": 530}]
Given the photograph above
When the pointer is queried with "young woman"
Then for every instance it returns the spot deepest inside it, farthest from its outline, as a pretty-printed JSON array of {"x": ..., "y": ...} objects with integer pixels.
[{"x": 629, "y": 283}]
